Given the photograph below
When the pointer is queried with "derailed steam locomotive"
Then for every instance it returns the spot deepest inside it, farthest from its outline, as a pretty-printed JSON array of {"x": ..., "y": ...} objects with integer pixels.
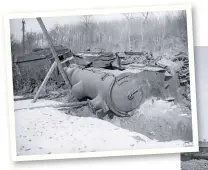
[{"x": 121, "y": 90}]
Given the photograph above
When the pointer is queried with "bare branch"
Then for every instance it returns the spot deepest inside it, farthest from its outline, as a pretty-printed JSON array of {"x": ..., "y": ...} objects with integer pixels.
[
  {"x": 86, "y": 20},
  {"x": 129, "y": 16},
  {"x": 145, "y": 15}
]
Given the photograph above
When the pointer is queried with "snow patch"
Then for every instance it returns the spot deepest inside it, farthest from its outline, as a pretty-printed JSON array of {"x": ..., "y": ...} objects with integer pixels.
[{"x": 48, "y": 130}]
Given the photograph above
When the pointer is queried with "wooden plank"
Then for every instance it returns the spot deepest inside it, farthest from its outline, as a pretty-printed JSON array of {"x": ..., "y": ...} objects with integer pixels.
[
  {"x": 29, "y": 97},
  {"x": 64, "y": 105},
  {"x": 45, "y": 81}
]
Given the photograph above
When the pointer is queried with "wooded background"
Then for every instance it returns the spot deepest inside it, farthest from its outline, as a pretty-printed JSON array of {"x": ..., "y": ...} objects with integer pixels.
[{"x": 135, "y": 31}]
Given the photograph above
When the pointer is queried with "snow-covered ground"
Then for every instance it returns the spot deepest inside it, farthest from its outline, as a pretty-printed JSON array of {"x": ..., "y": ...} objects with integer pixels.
[
  {"x": 48, "y": 130},
  {"x": 18, "y": 97}
]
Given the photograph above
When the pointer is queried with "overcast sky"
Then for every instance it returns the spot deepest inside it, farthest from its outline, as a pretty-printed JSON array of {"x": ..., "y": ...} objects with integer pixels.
[
  {"x": 32, "y": 25},
  {"x": 201, "y": 62},
  {"x": 50, "y": 22}
]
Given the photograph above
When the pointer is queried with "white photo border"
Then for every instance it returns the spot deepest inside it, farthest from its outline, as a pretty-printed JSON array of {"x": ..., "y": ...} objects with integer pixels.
[{"x": 193, "y": 148}]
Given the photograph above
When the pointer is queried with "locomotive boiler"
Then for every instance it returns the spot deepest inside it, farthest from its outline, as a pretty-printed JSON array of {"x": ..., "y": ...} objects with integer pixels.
[{"x": 115, "y": 91}]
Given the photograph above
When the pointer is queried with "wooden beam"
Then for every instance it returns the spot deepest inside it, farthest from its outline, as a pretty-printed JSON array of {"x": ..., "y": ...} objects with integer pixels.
[
  {"x": 64, "y": 105},
  {"x": 44, "y": 81},
  {"x": 48, "y": 38},
  {"x": 29, "y": 97}
]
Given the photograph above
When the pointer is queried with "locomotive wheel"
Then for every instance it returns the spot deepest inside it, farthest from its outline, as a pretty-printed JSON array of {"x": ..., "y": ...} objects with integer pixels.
[{"x": 183, "y": 75}]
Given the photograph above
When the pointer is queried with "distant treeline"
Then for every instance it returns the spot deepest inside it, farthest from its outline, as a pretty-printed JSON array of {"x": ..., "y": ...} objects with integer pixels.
[{"x": 133, "y": 32}]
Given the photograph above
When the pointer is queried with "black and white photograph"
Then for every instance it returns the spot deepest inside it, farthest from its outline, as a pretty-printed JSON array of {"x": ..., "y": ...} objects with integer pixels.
[
  {"x": 199, "y": 160},
  {"x": 102, "y": 83}
]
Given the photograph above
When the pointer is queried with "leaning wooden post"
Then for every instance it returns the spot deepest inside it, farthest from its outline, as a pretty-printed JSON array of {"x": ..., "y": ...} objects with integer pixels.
[
  {"x": 48, "y": 38},
  {"x": 45, "y": 33}
]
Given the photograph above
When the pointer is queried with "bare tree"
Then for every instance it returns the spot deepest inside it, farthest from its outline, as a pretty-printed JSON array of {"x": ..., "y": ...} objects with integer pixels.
[
  {"x": 142, "y": 31},
  {"x": 143, "y": 25},
  {"x": 86, "y": 20},
  {"x": 129, "y": 17},
  {"x": 30, "y": 41},
  {"x": 183, "y": 27},
  {"x": 15, "y": 46},
  {"x": 145, "y": 15}
]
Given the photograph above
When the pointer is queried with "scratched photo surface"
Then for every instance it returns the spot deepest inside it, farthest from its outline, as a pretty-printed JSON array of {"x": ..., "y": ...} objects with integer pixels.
[
  {"x": 199, "y": 160},
  {"x": 107, "y": 82}
]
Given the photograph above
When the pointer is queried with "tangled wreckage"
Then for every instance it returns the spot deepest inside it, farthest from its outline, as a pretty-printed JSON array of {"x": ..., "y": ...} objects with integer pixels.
[{"x": 119, "y": 83}]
